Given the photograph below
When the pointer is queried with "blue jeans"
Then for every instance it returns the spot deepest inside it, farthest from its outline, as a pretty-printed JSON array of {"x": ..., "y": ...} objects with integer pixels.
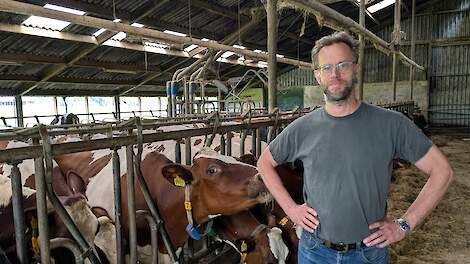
[{"x": 312, "y": 251}]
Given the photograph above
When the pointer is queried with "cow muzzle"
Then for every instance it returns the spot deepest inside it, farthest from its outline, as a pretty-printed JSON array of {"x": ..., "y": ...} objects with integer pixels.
[{"x": 257, "y": 190}]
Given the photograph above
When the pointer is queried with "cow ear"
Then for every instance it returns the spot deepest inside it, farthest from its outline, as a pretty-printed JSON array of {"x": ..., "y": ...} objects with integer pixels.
[
  {"x": 177, "y": 175},
  {"x": 248, "y": 159},
  {"x": 76, "y": 183}
]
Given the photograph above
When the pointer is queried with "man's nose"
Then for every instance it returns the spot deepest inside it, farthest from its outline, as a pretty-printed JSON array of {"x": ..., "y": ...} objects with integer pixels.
[{"x": 335, "y": 72}]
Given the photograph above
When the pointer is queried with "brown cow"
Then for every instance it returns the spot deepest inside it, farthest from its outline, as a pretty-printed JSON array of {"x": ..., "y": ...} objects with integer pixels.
[{"x": 220, "y": 185}]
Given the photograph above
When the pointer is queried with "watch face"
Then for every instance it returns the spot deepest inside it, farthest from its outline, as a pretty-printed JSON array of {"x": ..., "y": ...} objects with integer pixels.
[{"x": 404, "y": 225}]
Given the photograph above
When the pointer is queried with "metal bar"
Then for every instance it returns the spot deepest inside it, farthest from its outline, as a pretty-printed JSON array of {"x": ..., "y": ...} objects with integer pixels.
[
  {"x": 242, "y": 142},
  {"x": 187, "y": 150},
  {"x": 258, "y": 143},
  {"x": 18, "y": 214},
  {"x": 178, "y": 151},
  {"x": 324, "y": 12},
  {"x": 272, "y": 21},
  {"x": 222, "y": 144},
  {"x": 59, "y": 208},
  {"x": 71, "y": 147},
  {"x": 396, "y": 42},
  {"x": 229, "y": 143},
  {"x": 253, "y": 142},
  {"x": 131, "y": 202},
  {"x": 153, "y": 234},
  {"x": 117, "y": 107},
  {"x": 41, "y": 204},
  {"x": 118, "y": 206},
  {"x": 19, "y": 110},
  {"x": 362, "y": 8},
  {"x": 70, "y": 245}
]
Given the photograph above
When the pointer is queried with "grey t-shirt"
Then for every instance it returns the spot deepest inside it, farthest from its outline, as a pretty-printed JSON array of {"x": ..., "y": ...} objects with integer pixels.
[{"x": 348, "y": 164}]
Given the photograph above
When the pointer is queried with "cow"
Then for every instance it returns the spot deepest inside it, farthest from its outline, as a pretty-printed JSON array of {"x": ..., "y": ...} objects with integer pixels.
[
  {"x": 69, "y": 188},
  {"x": 220, "y": 185}
]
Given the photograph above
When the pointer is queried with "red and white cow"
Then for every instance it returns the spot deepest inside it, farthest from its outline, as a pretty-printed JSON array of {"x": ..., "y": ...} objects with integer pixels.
[{"x": 220, "y": 185}]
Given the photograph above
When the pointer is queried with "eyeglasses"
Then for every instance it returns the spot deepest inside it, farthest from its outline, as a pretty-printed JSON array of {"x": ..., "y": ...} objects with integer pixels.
[{"x": 341, "y": 67}]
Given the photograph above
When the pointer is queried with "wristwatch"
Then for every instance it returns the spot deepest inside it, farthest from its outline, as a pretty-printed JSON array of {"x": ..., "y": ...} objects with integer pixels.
[{"x": 404, "y": 226}]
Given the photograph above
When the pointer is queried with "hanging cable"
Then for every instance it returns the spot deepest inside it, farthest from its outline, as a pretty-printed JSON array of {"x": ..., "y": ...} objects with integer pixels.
[
  {"x": 114, "y": 10},
  {"x": 239, "y": 35}
]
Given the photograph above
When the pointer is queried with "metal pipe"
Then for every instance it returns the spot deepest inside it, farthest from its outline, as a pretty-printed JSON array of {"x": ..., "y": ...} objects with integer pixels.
[
  {"x": 153, "y": 234},
  {"x": 187, "y": 150},
  {"x": 258, "y": 143},
  {"x": 331, "y": 18},
  {"x": 362, "y": 11},
  {"x": 70, "y": 245},
  {"x": 253, "y": 142},
  {"x": 41, "y": 204},
  {"x": 413, "y": 46},
  {"x": 222, "y": 144},
  {"x": 272, "y": 21},
  {"x": 131, "y": 202},
  {"x": 229, "y": 143},
  {"x": 149, "y": 201},
  {"x": 242, "y": 142},
  {"x": 18, "y": 214},
  {"x": 19, "y": 110},
  {"x": 178, "y": 151},
  {"x": 117, "y": 107},
  {"x": 118, "y": 206},
  {"x": 59, "y": 208}
]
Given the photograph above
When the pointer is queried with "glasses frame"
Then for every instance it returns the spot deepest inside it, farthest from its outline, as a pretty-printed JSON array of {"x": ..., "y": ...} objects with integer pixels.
[{"x": 341, "y": 67}]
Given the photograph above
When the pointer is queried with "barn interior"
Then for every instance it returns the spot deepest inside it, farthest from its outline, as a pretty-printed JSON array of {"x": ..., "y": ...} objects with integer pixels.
[{"x": 111, "y": 65}]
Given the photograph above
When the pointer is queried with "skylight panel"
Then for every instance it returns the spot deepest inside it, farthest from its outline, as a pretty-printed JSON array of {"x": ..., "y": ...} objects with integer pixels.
[
  {"x": 65, "y": 9},
  {"x": 117, "y": 20},
  {"x": 190, "y": 47},
  {"x": 99, "y": 32},
  {"x": 119, "y": 36},
  {"x": 43, "y": 22},
  {"x": 258, "y": 51},
  {"x": 175, "y": 33},
  {"x": 279, "y": 56},
  {"x": 238, "y": 46},
  {"x": 50, "y": 23},
  {"x": 262, "y": 64},
  {"x": 227, "y": 54},
  {"x": 137, "y": 25},
  {"x": 380, "y": 5}
]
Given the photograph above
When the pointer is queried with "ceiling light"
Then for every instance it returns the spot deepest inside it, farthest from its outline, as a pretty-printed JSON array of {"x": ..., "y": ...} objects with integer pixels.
[
  {"x": 119, "y": 36},
  {"x": 190, "y": 47},
  {"x": 227, "y": 54}
]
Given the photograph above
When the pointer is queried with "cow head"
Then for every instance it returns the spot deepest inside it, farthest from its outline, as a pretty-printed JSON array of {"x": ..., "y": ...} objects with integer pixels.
[{"x": 222, "y": 184}]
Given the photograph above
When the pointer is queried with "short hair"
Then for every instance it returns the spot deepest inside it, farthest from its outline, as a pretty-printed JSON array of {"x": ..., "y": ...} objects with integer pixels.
[{"x": 337, "y": 37}]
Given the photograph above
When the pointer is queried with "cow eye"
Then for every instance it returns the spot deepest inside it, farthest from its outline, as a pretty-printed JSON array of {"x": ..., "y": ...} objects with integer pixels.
[{"x": 212, "y": 170}]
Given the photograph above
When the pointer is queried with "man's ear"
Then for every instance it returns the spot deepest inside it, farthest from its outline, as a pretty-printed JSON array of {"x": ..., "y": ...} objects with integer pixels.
[{"x": 177, "y": 175}]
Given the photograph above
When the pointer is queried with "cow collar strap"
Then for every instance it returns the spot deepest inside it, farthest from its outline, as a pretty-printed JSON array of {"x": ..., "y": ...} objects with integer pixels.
[{"x": 190, "y": 228}]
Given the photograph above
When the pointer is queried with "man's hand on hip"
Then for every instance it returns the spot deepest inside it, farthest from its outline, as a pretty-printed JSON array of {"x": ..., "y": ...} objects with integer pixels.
[
  {"x": 303, "y": 216},
  {"x": 388, "y": 232}
]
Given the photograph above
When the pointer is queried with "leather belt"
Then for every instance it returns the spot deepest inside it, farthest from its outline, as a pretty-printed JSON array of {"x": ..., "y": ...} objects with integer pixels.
[{"x": 341, "y": 247}]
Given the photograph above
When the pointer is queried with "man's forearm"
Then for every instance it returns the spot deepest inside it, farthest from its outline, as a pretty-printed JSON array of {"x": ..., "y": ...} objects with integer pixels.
[
  {"x": 432, "y": 192},
  {"x": 271, "y": 179}
]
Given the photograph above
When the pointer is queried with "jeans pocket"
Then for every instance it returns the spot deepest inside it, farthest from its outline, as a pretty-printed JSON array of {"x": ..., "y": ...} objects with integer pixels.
[
  {"x": 375, "y": 255},
  {"x": 308, "y": 242}
]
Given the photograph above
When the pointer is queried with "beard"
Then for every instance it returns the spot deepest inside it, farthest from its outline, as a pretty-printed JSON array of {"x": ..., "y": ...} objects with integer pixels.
[{"x": 341, "y": 95}]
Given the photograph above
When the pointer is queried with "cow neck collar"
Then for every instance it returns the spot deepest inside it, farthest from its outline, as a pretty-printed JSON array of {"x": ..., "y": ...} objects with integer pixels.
[{"x": 191, "y": 227}]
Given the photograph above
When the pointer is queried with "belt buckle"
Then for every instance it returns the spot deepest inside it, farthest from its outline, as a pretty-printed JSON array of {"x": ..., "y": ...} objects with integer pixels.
[{"x": 343, "y": 247}]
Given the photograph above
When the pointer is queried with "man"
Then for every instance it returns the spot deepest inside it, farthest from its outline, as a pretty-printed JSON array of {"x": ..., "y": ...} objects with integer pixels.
[{"x": 347, "y": 148}]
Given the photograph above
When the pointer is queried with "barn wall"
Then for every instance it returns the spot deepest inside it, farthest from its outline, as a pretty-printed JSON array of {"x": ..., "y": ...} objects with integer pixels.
[{"x": 442, "y": 46}]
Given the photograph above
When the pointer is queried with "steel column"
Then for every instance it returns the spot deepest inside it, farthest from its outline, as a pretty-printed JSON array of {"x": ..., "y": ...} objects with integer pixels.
[
  {"x": 18, "y": 214},
  {"x": 362, "y": 41}
]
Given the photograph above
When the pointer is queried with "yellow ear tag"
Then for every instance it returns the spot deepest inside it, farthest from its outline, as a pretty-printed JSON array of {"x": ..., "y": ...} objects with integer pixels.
[
  {"x": 179, "y": 181},
  {"x": 283, "y": 221},
  {"x": 243, "y": 256},
  {"x": 187, "y": 206},
  {"x": 244, "y": 246}
]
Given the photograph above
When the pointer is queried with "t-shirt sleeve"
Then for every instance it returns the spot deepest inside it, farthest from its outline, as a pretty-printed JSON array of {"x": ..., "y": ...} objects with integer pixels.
[
  {"x": 284, "y": 147},
  {"x": 412, "y": 144}
]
